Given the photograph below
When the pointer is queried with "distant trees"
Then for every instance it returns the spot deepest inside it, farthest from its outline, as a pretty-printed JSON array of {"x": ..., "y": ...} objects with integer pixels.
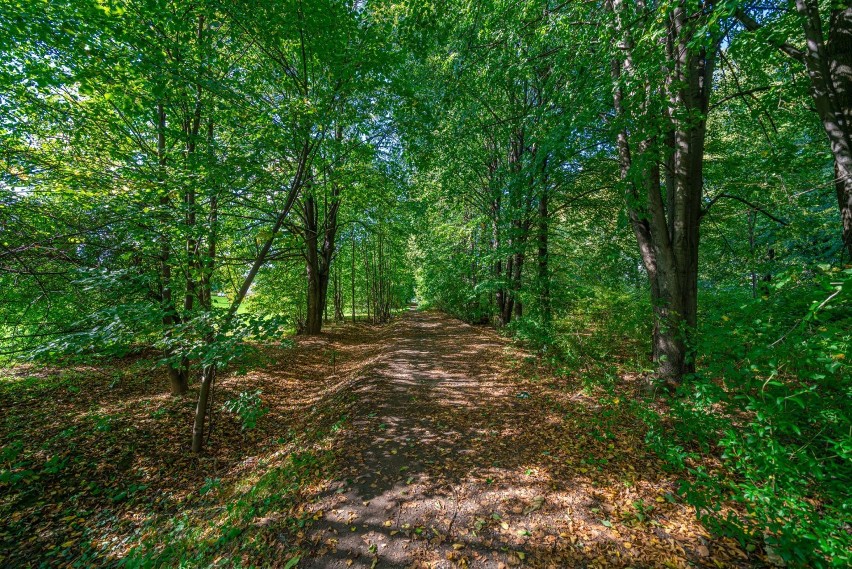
[{"x": 498, "y": 155}]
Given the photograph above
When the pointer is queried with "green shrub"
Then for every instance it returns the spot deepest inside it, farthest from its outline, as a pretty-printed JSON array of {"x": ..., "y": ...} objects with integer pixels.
[{"x": 248, "y": 407}]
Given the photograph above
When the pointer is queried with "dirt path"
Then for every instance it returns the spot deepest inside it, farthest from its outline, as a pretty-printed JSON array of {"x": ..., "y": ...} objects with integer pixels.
[
  {"x": 452, "y": 460},
  {"x": 424, "y": 417},
  {"x": 424, "y": 443}
]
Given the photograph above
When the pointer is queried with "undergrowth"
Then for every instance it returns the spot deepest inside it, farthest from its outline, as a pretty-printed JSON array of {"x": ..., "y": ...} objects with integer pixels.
[
  {"x": 252, "y": 522},
  {"x": 764, "y": 425}
]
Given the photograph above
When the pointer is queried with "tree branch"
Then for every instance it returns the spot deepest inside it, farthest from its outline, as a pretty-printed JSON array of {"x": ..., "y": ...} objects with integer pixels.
[
  {"x": 739, "y": 94},
  {"x": 752, "y": 25},
  {"x": 748, "y": 203}
]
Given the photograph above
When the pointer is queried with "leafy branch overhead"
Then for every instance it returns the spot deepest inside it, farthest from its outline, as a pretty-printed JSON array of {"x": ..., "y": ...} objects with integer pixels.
[{"x": 264, "y": 261}]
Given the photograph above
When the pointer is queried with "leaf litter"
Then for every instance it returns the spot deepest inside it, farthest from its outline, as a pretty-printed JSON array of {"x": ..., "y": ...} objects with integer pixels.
[{"x": 416, "y": 451}]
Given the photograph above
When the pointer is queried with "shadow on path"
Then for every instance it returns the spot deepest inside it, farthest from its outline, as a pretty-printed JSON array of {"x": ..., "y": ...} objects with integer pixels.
[{"x": 451, "y": 460}]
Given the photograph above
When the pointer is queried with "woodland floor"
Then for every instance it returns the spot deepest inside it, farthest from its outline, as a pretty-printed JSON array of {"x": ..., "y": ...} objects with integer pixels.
[{"x": 426, "y": 443}]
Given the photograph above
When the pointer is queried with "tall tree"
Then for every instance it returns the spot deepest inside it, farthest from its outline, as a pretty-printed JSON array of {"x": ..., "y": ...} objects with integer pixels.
[
  {"x": 662, "y": 128},
  {"x": 825, "y": 34}
]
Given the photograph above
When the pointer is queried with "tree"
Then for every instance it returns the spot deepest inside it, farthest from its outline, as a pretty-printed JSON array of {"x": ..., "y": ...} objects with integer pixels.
[
  {"x": 827, "y": 57},
  {"x": 319, "y": 233},
  {"x": 662, "y": 158}
]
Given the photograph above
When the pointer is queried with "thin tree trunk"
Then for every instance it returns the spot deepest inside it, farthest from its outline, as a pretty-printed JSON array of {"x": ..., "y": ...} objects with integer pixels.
[
  {"x": 178, "y": 381},
  {"x": 517, "y": 282},
  {"x": 543, "y": 269},
  {"x": 508, "y": 298},
  {"x": 338, "y": 297},
  {"x": 752, "y": 218},
  {"x": 192, "y": 129},
  {"x": 367, "y": 292},
  {"x": 313, "y": 317},
  {"x": 209, "y": 263},
  {"x": 209, "y": 373}
]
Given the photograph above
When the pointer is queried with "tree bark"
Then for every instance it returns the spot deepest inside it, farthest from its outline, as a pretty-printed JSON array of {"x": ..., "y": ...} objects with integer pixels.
[
  {"x": 518, "y": 265},
  {"x": 314, "y": 269},
  {"x": 828, "y": 62},
  {"x": 368, "y": 297},
  {"x": 667, "y": 227},
  {"x": 543, "y": 268},
  {"x": 338, "y": 298},
  {"x": 840, "y": 66},
  {"x": 829, "y": 66},
  {"x": 201, "y": 408},
  {"x": 319, "y": 254}
]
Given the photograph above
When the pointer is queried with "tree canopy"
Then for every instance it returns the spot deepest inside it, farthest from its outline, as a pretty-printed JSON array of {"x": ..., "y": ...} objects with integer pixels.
[{"x": 658, "y": 188}]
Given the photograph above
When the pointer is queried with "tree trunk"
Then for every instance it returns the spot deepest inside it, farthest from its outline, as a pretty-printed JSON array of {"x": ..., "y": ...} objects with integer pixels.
[
  {"x": 840, "y": 57},
  {"x": 338, "y": 297},
  {"x": 667, "y": 230},
  {"x": 178, "y": 380},
  {"x": 508, "y": 300},
  {"x": 317, "y": 292},
  {"x": 313, "y": 317},
  {"x": 367, "y": 292},
  {"x": 191, "y": 131},
  {"x": 843, "y": 186},
  {"x": 829, "y": 66},
  {"x": 517, "y": 282},
  {"x": 752, "y": 259},
  {"x": 209, "y": 263},
  {"x": 543, "y": 269},
  {"x": 202, "y": 407},
  {"x": 500, "y": 293},
  {"x": 318, "y": 256}
]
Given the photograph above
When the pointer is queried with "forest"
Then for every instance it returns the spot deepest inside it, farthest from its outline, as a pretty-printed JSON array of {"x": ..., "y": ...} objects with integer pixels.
[{"x": 425, "y": 284}]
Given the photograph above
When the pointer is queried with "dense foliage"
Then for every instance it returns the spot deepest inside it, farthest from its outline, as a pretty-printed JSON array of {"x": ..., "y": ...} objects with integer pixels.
[{"x": 632, "y": 189}]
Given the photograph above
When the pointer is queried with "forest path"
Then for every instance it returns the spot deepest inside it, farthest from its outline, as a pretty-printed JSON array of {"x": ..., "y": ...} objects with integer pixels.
[
  {"x": 457, "y": 450},
  {"x": 452, "y": 460},
  {"x": 423, "y": 419}
]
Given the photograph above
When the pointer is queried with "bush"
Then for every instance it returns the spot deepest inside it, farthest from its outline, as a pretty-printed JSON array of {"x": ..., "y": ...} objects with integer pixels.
[
  {"x": 248, "y": 407},
  {"x": 772, "y": 400}
]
